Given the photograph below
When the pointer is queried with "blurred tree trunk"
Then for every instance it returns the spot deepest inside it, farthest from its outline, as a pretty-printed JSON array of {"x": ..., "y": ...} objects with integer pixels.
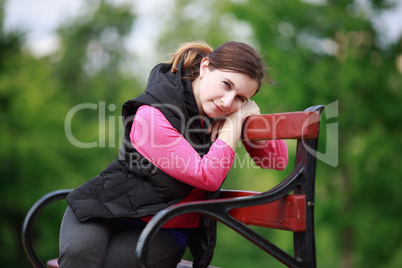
[{"x": 347, "y": 234}]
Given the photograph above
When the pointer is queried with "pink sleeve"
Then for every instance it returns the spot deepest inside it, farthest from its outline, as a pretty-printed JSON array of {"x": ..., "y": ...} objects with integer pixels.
[
  {"x": 271, "y": 155},
  {"x": 158, "y": 141}
]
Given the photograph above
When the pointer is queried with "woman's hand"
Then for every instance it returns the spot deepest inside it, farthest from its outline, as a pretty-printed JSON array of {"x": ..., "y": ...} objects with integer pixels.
[
  {"x": 247, "y": 110},
  {"x": 251, "y": 108},
  {"x": 229, "y": 130},
  {"x": 215, "y": 127}
]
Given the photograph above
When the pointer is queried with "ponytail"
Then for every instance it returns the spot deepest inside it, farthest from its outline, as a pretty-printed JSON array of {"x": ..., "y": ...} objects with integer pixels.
[{"x": 191, "y": 54}]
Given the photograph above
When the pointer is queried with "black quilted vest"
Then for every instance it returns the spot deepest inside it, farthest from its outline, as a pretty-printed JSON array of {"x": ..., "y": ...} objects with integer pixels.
[{"x": 131, "y": 186}]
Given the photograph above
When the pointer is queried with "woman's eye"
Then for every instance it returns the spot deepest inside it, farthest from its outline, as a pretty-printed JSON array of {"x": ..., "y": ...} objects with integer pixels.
[
  {"x": 226, "y": 84},
  {"x": 241, "y": 98}
]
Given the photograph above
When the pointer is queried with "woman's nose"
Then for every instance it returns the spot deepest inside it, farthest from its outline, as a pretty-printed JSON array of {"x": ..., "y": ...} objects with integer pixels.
[{"x": 227, "y": 99}]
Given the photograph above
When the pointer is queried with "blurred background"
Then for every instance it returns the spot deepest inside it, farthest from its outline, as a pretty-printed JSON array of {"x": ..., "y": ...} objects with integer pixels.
[{"x": 66, "y": 67}]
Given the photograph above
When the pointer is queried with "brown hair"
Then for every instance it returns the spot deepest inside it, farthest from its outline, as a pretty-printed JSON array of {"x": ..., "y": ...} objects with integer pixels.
[{"x": 232, "y": 56}]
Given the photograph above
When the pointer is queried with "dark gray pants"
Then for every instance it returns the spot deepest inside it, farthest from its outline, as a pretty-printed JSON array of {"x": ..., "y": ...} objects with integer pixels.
[{"x": 99, "y": 244}]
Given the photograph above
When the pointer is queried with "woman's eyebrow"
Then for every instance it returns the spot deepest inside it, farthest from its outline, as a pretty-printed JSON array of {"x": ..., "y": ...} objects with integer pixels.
[{"x": 230, "y": 82}]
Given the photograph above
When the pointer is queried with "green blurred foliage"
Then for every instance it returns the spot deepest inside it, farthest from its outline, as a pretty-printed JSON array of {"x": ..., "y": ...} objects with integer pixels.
[
  {"x": 36, "y": 95},
  {"x": 326, "y": 53}
]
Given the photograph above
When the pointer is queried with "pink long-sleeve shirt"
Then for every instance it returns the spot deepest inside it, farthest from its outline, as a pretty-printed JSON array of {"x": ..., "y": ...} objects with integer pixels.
[{"x": 158, "y": 141}]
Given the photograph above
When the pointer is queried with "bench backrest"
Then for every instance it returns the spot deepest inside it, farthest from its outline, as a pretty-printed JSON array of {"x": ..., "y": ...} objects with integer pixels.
[{"x": 277, "y": 207}]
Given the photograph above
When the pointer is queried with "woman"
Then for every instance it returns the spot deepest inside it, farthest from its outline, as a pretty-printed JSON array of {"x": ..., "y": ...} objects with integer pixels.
[{"x": 180, "y": 141}]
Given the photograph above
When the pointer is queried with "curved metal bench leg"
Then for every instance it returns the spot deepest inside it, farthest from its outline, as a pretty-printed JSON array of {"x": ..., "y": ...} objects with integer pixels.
[{"x": 26, "y": 234}]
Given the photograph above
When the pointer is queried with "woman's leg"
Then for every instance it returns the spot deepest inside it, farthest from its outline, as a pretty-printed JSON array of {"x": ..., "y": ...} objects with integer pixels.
[
  {"x": 164, "y": 252},
  {"x": 82, "y": 244}
]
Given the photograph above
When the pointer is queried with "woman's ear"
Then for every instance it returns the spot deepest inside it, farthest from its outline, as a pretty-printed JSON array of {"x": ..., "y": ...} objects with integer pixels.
[{"x": 204, "y": 65}]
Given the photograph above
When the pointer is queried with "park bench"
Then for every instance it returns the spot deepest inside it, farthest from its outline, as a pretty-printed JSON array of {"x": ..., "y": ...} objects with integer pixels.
[{"x": 287, "y": 206}]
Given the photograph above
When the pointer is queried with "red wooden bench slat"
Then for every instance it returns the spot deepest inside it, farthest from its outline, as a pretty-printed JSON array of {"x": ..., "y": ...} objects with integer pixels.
[
  {"x": 294, "y": 125},
  {"x": 288, "y": 213}
]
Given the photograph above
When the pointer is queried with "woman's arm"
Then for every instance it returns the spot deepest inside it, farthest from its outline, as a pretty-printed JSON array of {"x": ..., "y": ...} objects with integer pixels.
[
  {"x": 155, "y": 138},
  {"x": 231, "y": 128},
  {"x": 270, "y": 154}
]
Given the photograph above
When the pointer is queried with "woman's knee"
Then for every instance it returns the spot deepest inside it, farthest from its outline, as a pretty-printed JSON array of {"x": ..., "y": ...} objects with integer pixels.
[{"x": 82, "y": 243}]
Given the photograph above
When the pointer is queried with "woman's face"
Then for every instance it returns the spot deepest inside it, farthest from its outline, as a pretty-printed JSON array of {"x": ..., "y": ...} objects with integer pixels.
[{"x": 219, "y": 93}]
